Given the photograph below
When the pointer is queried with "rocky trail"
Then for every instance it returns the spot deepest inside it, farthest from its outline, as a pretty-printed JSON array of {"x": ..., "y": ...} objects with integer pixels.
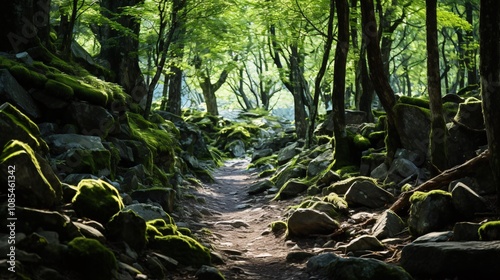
[{"x": 238, "y": 226}]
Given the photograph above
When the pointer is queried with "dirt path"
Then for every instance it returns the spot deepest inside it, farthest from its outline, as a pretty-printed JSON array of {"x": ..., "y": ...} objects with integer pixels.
[{"x": 238, "y": 224}]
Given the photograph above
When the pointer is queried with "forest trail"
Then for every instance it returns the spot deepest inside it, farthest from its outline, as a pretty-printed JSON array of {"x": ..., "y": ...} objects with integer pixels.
[{"x": 239, "y": 226}]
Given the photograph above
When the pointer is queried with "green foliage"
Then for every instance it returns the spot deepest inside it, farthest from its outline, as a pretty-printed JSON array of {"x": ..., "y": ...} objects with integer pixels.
[
  {"x": 97, "y": 199},
  {"x": 91, "y": 259}
]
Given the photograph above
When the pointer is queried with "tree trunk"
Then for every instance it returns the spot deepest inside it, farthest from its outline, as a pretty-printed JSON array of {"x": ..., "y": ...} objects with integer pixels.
[
  {"x": 489, "y": 32},
  {"x": 120, "y": 50},
  {"x": 24, "y": 24},
  {"x": 470, "y": 56},
  {"x": 341, "y": 149},
  {"x": 380, "y": 81},
  {"x": 175, "y": 91},
  {"x": 366, "y": 97},
  {"x": 437, "y": 146}
]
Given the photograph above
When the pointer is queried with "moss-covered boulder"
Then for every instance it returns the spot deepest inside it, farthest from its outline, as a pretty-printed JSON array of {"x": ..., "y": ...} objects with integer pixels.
[
  {"x": 184, "y": 249},
  {"x": 292, "y": 188},
  {"x": 128, "y": 227},
  {"x": 29, "y": 176},
  {"x": 489, "y": 231},
  {"x": 160, "y": 227},
  {"x": 165, "y": 197},
  {"x": 58, "y": 90},
  {"x": 431, "y": 211},
  {"x": 20, "y": 127},
  {"x": 97, "y": 200},
  {"x": 91, "y": 119},
  {"x": 27, "y": 77},
  {"x": 304, "y": 222},
  {"x": 82, "y": 90},
  {"x": 11, "y": 91},
  {"x": 91, "y": 259},
  {"x": 414, "y": 123}
]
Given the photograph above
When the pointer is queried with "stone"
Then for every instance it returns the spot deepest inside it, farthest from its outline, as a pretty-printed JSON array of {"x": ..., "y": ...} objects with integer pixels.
[
  {"x": 441, "y": 236},
  {"x": 452, "y": 260},
  {"x": 91, "y": 119},
  {"x": 467, "y": 202},
  {"x": 327, "y": 179},
  {"x": 21, "y": 128},
  {"x": 288, "y": 152},
  {"x": 489, "y": 231},
  {"x": 75, "y": 178},
  {"x": 466, "y": 231},
  {"x": 97, "y": 200},
  {"x": 165, "y": 197},
  {"x": 11, "y": 91},
  {"x": 261, "y": 153},
  {"x": 355, "y": 117},
  {"x": 380, "y": 172},
  {"x": 288, "y": 172},
  {"x": 364, "y": 243},
  {"x": 31, "y": 220},
  {"x": 234, "y": 223},
  {"x": 414, "y": 126},
  {"x": 341, "y": 187},
  {"x": 183, "y": 249},
  {"x": 90, "y": 232},
  {"x": 128, "y": 227},
  {"x": 401, "y": 169},
  {"x": 149, "y": 212},
  {"x": 167, "y": 262},
  {"x": 237, "y": 148},
  {"x": 298, "y": 256},
  {"x": 367, "y": 193},
  {"x": 319, "y": 264},
  {"x": 80, "y": 154},
  {"x": 365, "y": 269},
  {"x": 429, "y": 212},
  {"x": 31, "y": 177},
  {"x": 320, "y": 163},
  {"x": 91, "y": 259},
  {"x": 462, "y": 143},
  {"x": 470, "y": 114},
  {"x": 304, "y": 222},
  {"x": 208, "y": 273},
  {"x": 388, "y": 225},
  {"x": 292, "y": 188},
  {"x": 259, "y": 187}
]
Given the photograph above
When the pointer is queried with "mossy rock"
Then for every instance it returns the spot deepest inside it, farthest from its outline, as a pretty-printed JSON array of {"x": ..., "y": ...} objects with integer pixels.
[
  {"x": 82, "y": 90},
  {"x": 489, "y": 231},
  {"x": 340, "y": 204},
  {"x": 58, "y": 89},
  {"x": 128, "y": 227},
  {"x": 97, "y": 200},
  {"x": 419, "y": 196},
  {"x": 91, "y": 259},
  {"x": 361, "y": 143},
  {"x": 20, "y": 127},
  {"x": 184, "y": 249},
  {"x": 28, "y": 78},
  {"x": 278, "y": 227},
  {"x": 36, "y": 185},
  {"x": 417, "y": 101},
  {"x": 160, "y": 227}
]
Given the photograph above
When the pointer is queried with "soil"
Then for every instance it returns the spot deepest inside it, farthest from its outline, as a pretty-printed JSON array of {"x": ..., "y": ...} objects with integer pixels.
[{"x": 236, "y": 225}]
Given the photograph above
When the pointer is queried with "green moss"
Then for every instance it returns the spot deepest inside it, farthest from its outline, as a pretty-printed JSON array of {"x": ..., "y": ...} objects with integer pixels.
[
  {"x": 91, "y": 259},
  {"x": 419, "y": 196},
  {"x": 82, "y": 90},
  {"x": 184, "y": 231},
  {"x": 347, "y": 171},
  {"x": 339, "y": 203},
  {"x": 381, "y": 123},
  {"x": 58, "y": 90},
  {"x": 92, "y": 162},
  {"x": 20, "y": 127},
  {"x": 184, "y": 249},
  {"x": 361, "y": 143},
  {"x": 489, "y": 231},
  {"x": 417, "y": 101},
  {"x": 127, "y": 226},
  {"x": 97, "y": 199},
  {"x": 278, "y": 227},
  {"x": 28, "y": 78},
  {"x": 269, "y": 160}
]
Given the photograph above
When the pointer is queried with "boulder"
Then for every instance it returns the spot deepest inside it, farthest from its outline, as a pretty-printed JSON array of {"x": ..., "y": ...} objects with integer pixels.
[
  {"x": 165, "y": 197},
  {"x": 320, "y": 163},
  {"x": 30, "y": 220},
  {"x": 80, "y": 154},
  {"x": 467, "y": 202},
  {"x": 304, "y": 222},
  {"x": 388, "y": 225},
  {"x": 91, "y": 259},
  {"x": 401, "y": 169},
  {"x": 261, "y": 153},
  {"x": 415, "y": 125},
  {"x": 367, "y": 193},
  {"x": 236, "y": 147},
  {"x": 333, "y": 266},
  {"x": 183, "y": 249},
  {"x": 149, "y": 212},
  {"x": 364, "y": 243},
  {"x": 466, "y": 231},
  {"x": 355, "y": 117},
  {"x": 259, "y": 187},
  {"x": 430, "y": 211},
  {"x": 452, "y": 260},
  {"x": 127, "y": 227},
  {"x": 288, "y": 152},
  {"x": 435, "y": 236},
  {"x": 29, "y": 176},
  {"x": 292, "y": 188},
  {"x": 489, "y": 231},
  {"x": 288, "y": 172},
  {"x": 91, "y": 119},
  {"x": 341, "y": 187},
  {"x": 21, "y": 128},
  {"x": 11, "y": 91},
  {"x": 208, "y": 273},
  {"x": 97, "y": 200}
]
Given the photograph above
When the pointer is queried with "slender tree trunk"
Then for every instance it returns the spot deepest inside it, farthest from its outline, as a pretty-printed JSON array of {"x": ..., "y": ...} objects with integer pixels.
[
  {"x": 470, "y": 56},
  {"x": 175, "y": 91},
  {"x": 489, "y": 32},
  {"x": 437, "y": 147},
  {"x": 341, "y": 149},
  {"x": 380, "y": 81},
  {"x": 298, "y": 92},
  {"x": 367, "y": 92}
]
